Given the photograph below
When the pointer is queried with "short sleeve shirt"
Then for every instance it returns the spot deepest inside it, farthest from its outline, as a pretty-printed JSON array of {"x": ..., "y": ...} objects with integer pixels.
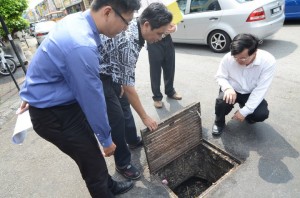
[{"x": 120, "y": 54}]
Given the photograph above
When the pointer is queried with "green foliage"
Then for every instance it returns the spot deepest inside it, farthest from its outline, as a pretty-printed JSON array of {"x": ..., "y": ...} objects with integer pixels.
[{"x": 11, "y": 12}]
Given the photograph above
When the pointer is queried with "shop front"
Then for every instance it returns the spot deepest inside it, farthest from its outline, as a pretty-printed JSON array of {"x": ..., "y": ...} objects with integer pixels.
[{"x": 73, "y": 6}]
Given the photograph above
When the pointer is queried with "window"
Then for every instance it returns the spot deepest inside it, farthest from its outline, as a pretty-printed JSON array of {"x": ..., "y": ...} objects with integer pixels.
[
  {"x": 182, "y": 5},
  {"x": 204, "y": 5}
]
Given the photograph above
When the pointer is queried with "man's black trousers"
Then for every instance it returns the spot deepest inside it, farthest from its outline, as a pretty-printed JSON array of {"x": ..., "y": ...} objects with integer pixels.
[
  {"x": 222, "y": 109},
  {"x": 130, "y": 128},
  {"x": 67, "y": 128},
  {"x": 162, "y": 57},
  {"x": 117, "y": 123}
]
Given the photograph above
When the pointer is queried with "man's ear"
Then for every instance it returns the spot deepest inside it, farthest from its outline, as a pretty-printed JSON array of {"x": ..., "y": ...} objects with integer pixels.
[
  {"x": 147, "y": 25},
  {"x": 107, "y": 10}
]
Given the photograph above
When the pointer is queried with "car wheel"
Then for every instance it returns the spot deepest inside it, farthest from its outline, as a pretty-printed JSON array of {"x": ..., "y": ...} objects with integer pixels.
[{"x": 219, "y": 41}]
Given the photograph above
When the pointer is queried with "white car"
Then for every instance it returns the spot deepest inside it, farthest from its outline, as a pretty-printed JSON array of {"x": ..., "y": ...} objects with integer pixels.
[
  {"x": 42, "y": 29},
  {"x": 216, "y": 22}
]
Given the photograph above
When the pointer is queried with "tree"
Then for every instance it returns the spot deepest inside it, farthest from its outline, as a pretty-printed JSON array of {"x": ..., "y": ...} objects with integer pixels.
[{"x": 11, "y": 11}]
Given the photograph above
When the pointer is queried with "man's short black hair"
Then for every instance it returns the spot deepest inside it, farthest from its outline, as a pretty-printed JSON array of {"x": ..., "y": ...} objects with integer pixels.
[
  {"x": 244, "y": 41},
  {"x": 157, "y": 15},
  {"x": 123, "y": 6}
]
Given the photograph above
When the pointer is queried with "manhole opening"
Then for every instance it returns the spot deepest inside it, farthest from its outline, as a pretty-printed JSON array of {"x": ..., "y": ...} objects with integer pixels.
[
  {"x": 180, "y": 158},
  {"x": 195, "y": 171}
]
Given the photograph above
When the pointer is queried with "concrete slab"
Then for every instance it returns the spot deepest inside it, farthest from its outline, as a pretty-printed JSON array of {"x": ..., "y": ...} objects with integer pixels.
[{"x": 269, "y": 151}]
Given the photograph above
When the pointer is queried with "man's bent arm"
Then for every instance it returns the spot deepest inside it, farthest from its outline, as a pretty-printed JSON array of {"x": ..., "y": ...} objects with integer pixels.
[
  {"x": 258, "y": 94},
  {"x": 82, "y": 76},
  {"x": 135, "y": 102},
  {"x": 222, "y": 74}
]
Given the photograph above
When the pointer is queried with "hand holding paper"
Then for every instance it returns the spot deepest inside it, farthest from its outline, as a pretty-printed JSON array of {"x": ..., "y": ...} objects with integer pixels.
[
  {"x": 172, "y": 28},
  {"x": 23, "y": 107},
  {"x": 23, "y": 123}
]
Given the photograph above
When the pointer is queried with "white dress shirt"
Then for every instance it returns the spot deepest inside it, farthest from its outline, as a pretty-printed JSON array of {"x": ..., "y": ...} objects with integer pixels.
[{"x": 253, "y": 79}]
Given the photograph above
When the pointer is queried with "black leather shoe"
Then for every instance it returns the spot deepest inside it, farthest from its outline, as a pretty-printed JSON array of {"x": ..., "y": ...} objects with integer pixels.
[
  {"x": 249, "y": 121},
  {"x": 122, "y": 187},
  {"x": 136, "y": 145},
  {"x": 129, "y": 172},
  {"x": 217, "y": 130}
]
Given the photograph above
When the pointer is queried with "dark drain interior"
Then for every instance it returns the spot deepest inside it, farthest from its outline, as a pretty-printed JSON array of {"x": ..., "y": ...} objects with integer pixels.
[
  {"x": 196, "y": 170},
  {"x": 192, "y": 187},
  {"x": 181, "y": 159}
]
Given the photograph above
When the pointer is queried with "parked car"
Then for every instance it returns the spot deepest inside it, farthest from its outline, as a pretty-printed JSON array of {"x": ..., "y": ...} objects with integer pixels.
[
  {"x": 292, "y": 9},
  {"x": 31, "y": 28},
  {"x": 42, "y": 29},
  {"x": 216, "y": 22}
]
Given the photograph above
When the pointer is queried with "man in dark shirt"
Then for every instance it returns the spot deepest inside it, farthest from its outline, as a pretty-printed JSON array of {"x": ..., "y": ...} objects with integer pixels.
[
  {"x": 119, "y": 56},
  {"x": 65, "y": 95}
]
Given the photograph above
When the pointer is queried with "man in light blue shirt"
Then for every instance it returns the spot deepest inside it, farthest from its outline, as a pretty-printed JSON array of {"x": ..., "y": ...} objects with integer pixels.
[{"x": 65, "y": 95}]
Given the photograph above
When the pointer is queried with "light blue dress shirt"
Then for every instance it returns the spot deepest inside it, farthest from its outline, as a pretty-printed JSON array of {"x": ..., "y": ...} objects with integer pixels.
[{"x": 65, "y": 70}]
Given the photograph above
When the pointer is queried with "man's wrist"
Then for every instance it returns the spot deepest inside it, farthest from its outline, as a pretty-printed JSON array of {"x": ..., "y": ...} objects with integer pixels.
[
  {"x": 227, "y": 89},
  {"x": 244, "y": 111},
  {"x": 105, "y": 142},
  {"x": 145, "y": 116}
]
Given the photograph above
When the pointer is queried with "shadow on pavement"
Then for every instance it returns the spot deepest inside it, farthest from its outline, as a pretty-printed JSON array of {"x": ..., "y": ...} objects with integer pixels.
[
  {"x": 278, "y": 48},
  {"x": 201, "y": 50},
  {"x": 291, "y": 23},
  {"x": 170, "y": 107},
  {"x": 240, "y": 139}
]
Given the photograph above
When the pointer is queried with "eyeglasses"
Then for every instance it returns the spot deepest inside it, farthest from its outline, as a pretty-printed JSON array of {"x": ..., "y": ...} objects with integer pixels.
[
  {"x": 242, "y": 59},
  {"x": 119, "y": 14}
]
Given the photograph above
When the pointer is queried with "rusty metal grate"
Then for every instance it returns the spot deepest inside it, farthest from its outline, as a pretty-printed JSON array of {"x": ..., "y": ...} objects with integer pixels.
[{"x": 174, "y": 136}]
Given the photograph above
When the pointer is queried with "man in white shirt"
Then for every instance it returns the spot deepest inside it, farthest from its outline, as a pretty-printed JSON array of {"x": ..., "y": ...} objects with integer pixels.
[{"x": 244, "y": 76}]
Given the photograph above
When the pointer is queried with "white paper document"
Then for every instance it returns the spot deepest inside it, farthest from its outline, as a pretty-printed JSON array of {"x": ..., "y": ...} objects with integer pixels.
[{"x": 23, "y": 123}]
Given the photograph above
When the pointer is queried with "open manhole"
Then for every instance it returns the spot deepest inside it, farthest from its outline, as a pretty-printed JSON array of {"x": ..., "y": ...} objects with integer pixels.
[{"x": 177, "y": 155}]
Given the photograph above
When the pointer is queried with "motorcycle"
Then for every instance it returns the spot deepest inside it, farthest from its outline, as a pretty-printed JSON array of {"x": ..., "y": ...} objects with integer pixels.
[{"x": 6, "y": 62}]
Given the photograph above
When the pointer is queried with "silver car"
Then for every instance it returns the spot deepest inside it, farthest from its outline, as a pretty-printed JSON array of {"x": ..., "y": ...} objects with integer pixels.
[
  {"x": 216, "y": 22},
  {"x": 42, "y": 29}
]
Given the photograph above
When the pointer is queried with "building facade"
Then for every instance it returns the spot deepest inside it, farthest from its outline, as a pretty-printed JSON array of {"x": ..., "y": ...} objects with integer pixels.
[{"x": 47, "y": 6}]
